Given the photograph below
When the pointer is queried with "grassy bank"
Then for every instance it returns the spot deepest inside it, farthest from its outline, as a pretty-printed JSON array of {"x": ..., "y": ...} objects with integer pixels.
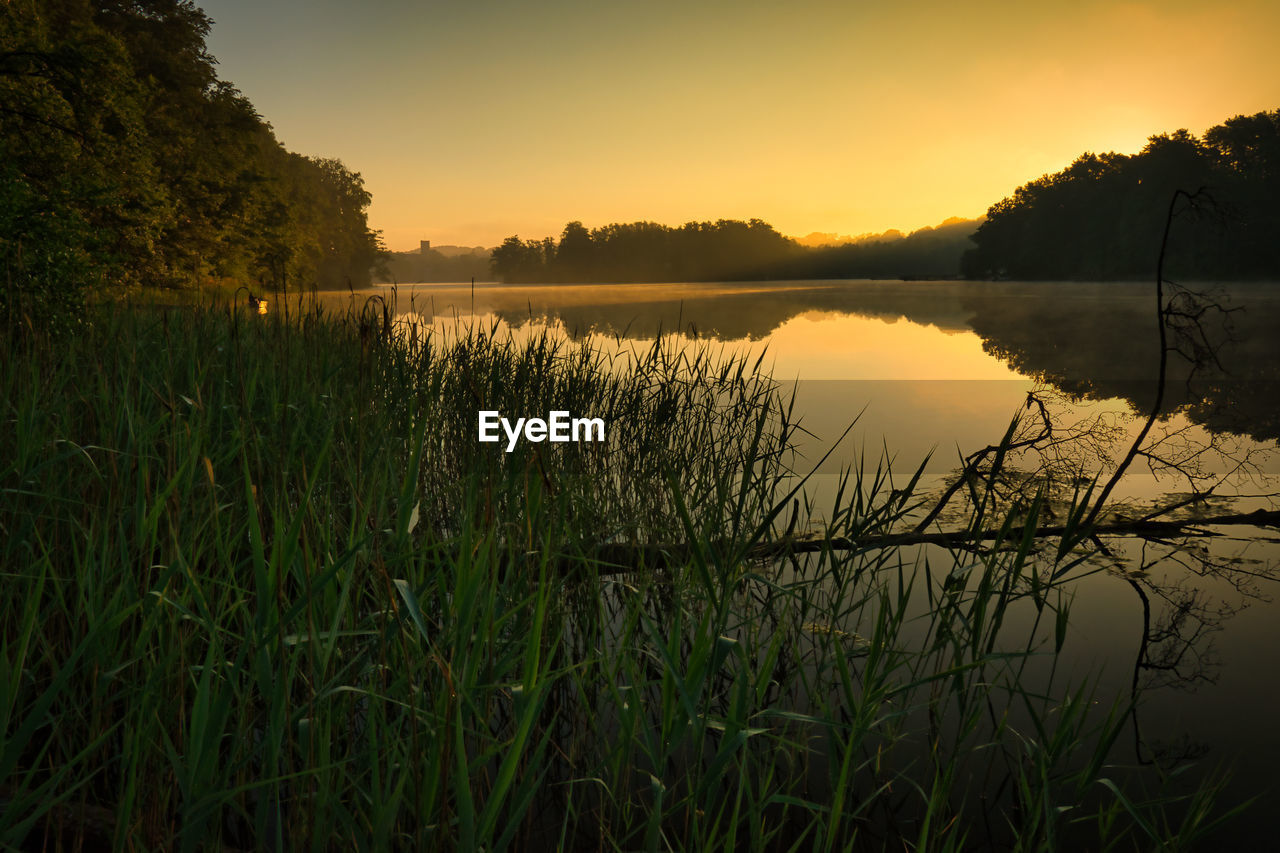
[{"x": 264, "y": 589}]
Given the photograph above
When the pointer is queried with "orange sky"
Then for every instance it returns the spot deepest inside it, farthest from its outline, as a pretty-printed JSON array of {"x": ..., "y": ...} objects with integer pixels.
[{"x": 471, "y": 121}]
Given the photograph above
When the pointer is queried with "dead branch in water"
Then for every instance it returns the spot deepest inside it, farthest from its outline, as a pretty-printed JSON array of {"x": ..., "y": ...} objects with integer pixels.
[{"x": 617, "y": 559}]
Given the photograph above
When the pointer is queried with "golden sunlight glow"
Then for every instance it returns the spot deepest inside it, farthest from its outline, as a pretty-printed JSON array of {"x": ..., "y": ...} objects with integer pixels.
[
  {"x": 825, "y": 345},
  {"x": 814, "y": 116}
]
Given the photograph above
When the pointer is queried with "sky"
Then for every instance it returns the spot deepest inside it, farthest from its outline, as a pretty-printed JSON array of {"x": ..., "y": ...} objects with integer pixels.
[{"x": 475, "y": 120}]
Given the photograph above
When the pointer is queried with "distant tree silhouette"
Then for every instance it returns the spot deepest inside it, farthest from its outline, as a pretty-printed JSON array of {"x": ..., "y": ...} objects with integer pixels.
[
  {"x": 519, "y": 260},
  {"x": 575, "y": 255},
  {"x": 724, "y": 250},
  {"x": 1094, "y": 219}
]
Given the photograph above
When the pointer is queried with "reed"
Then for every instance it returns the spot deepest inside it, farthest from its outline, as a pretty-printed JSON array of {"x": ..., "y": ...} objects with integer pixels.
[{"x": 262, "y": 588}]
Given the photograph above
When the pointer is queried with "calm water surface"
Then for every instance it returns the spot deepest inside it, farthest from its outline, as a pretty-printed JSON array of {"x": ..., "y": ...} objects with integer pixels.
[
  {"x": 926, "y": 367},
  {"x": 936, "y": 370}
]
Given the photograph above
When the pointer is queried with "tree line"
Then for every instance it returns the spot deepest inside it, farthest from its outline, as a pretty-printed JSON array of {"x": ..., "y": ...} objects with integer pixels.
[
  {"x": 1101, "y": 217},
  {"x": 1098, "y": 219},
  {"x": 725, "y": 250},
  {"x": 124, "y": 160}
]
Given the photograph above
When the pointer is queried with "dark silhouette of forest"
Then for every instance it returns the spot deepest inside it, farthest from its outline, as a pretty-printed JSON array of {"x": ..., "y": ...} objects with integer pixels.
[
  {"x": 930, "y": 253},
  {"x": 1100, "y": 218},
  {"x": 647, "y": 251},
  {"x": 125, "y": 160},
  {"x": 726, "y": 250}
]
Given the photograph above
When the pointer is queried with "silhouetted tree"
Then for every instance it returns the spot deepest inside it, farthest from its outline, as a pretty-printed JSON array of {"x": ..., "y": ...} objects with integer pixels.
[
  {"x": 575, "y": 255},
  {"x": 519, "y": 260},
  {"x": 1093, "y": 219}
]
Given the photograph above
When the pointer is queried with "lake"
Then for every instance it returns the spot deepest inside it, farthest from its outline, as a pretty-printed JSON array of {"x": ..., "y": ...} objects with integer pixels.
[{"x": 934, "y": 370}]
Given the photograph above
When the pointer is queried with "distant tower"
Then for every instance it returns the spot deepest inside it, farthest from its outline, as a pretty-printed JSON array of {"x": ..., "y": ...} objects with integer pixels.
[{"x": 424, "y": 247}]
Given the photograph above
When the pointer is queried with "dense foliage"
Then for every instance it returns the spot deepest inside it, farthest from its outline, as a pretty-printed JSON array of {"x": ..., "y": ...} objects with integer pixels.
[
  {"x": 726, "y": 250},
  {"x": 125, "y": 160},
  {"x": 925, "y": 253},
  {"x": 646, "y": 251},
  {"x": 1100, "y": 218}
]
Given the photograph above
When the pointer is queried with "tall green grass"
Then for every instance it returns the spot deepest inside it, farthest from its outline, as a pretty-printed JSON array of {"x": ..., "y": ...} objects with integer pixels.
[{"x": 264, "y": 589}]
